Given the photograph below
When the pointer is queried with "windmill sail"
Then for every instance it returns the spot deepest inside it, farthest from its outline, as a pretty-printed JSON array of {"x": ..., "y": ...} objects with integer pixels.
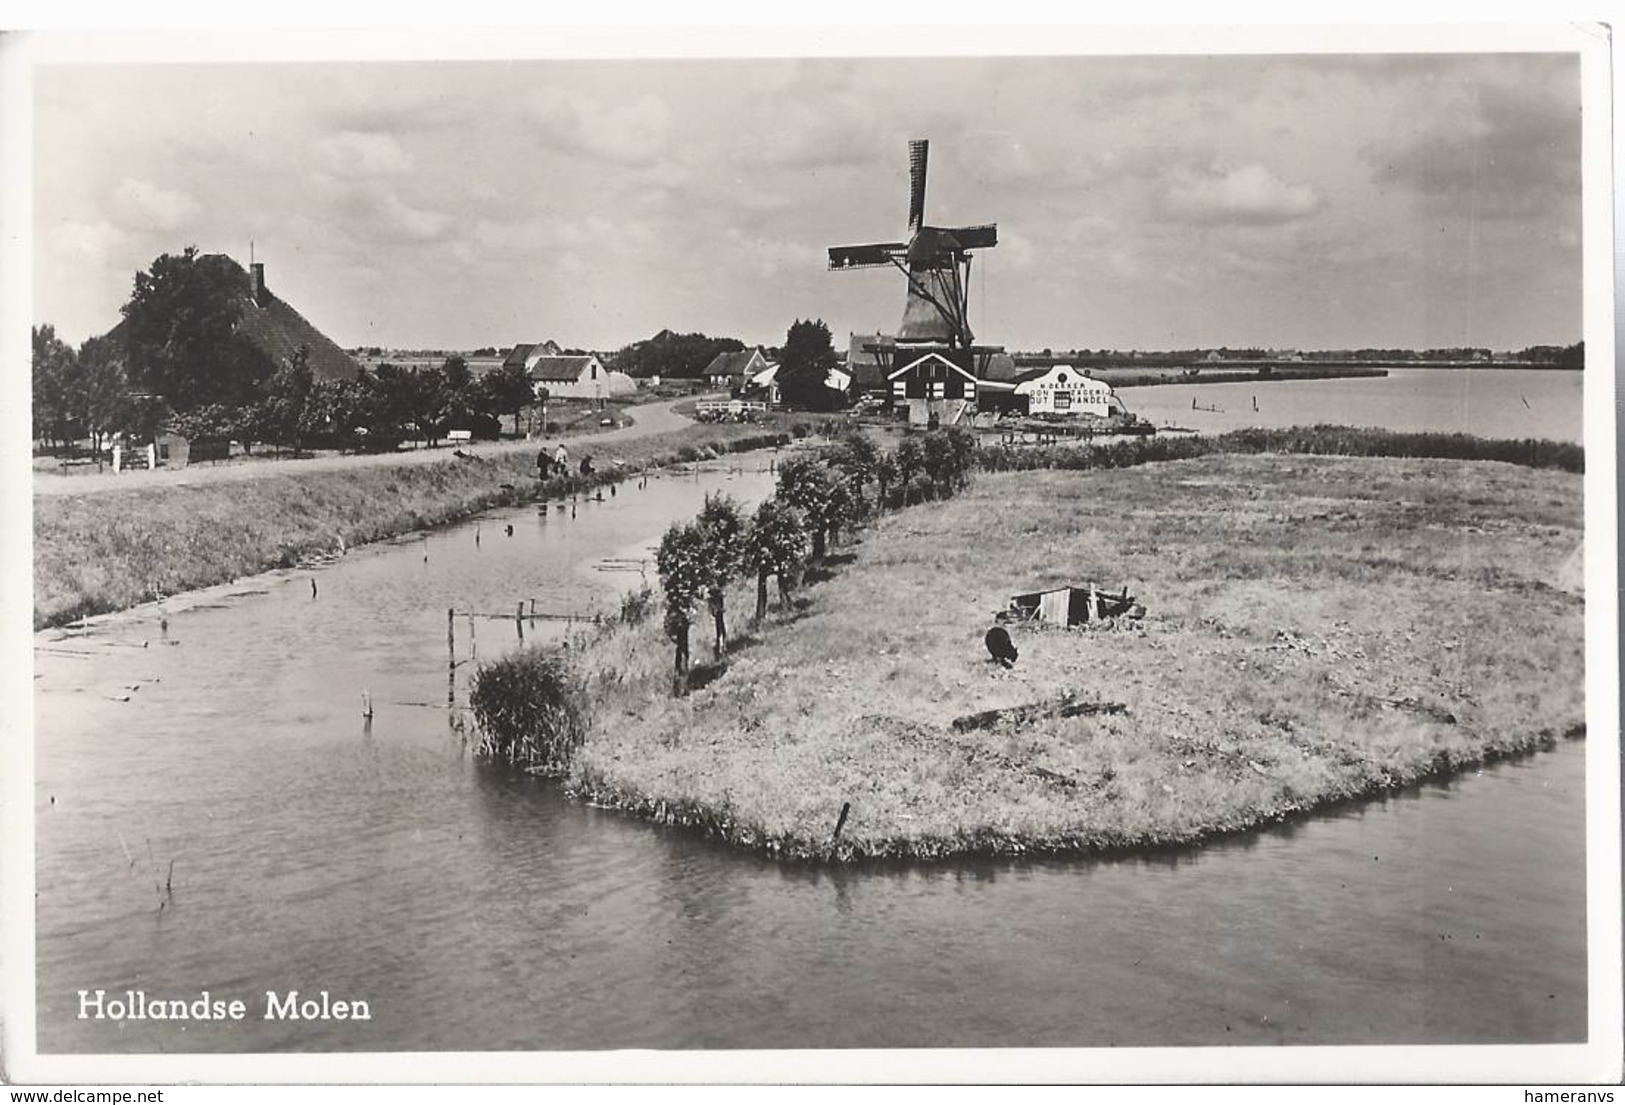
[
  {"x": 936, "y": 261},
  {"x": 917, "y": 150}
]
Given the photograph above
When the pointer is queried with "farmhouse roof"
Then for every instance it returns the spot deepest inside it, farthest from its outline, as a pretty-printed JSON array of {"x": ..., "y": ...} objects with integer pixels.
[
  {"x": 732, "y": 364},
  {"x": 560, "y": 369},
  {"x": 271, "y": 326}
]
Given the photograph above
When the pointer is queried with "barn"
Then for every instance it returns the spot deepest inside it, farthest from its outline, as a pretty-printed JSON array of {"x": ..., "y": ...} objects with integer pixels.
[{"x": 583, "y": 377}]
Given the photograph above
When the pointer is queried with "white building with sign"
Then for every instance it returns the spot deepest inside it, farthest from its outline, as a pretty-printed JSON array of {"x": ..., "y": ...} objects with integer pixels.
[{"x": 1064, "y": 390}]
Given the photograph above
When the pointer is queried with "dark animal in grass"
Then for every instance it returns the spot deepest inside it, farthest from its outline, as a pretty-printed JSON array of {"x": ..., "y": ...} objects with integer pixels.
[{"x": 1000, "y": 647}]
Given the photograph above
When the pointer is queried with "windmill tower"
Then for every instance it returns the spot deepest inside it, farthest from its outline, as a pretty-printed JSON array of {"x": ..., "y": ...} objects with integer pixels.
[{"x": 936, "y": 262}]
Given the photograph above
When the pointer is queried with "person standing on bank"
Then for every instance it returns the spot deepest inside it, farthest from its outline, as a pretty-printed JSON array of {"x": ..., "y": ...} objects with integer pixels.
[
  {"x": 561, "y": 458},
  {"x": 542, "y": 463}
]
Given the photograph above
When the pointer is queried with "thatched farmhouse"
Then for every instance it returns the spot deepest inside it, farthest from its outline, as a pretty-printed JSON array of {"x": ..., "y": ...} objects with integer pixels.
[{"x": 270, "y": 330}]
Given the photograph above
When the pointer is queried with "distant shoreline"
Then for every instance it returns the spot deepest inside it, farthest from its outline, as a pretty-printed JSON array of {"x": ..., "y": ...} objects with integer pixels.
[{"x": 1137, "y": 377}]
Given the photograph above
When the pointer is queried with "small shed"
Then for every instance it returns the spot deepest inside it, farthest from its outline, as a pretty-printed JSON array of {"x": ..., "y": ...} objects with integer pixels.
[{"x": 1071, "y": 605}]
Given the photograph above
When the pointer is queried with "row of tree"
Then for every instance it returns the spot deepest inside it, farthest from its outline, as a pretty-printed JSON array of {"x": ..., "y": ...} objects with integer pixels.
[
  {"x": 683, "y": 356},
  {"x": 378, "y": 409},
  {"x": 816, "y": 499},
  {"x": 88, "y": 393}
]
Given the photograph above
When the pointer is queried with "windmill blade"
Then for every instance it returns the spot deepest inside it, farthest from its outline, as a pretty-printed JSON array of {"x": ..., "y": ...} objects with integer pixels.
[
  {"x": 975, "y": 237},
  {"x": 917, "y": 149},
  {"x": 865, "y": 257}
]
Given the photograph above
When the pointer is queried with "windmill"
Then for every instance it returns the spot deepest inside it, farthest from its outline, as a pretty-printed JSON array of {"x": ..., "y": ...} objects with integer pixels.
[{"x": 935, "y": 259}]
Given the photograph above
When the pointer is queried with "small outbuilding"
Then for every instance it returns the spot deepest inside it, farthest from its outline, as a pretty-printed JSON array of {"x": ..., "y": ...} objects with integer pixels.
[
  {"x": 1072, "y": 605},
  {"x": 1062, "y": 389}
]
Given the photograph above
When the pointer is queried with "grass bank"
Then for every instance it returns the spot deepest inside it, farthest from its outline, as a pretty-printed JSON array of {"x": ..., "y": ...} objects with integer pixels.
[
  {"x": 116, "y": 549},
  {"x": 1323, "y": 440},
  {"x": 1318, "y": 628}
]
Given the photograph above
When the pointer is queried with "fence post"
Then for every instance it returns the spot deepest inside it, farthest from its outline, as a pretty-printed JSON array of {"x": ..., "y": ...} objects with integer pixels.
[{"x": 451, "y": 665}]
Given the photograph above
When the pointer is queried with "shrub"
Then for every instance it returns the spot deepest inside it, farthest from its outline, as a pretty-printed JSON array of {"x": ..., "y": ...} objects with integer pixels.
[
  {"x": 636, "y": 606},
  {"x": 531, "y": 709}
]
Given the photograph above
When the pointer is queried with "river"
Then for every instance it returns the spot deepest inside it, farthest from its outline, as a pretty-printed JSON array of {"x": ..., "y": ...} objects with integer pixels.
[
  {"x": 1508, "y": 402},
  {"x": 478, "y": 909}
]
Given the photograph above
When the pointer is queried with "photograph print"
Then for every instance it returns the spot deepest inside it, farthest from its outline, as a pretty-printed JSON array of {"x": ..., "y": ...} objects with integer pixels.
[{"x": 1073, "y": 549}]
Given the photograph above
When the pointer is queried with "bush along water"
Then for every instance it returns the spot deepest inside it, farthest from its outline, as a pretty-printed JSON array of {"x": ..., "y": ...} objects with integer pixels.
[{"x": 531, "y": 709}]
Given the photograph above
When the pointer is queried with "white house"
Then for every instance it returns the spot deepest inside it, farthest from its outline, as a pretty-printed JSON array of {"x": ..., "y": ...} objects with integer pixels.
[
  {"x": 1065, "y": 390},
  {"x": 582, "y": 377}
]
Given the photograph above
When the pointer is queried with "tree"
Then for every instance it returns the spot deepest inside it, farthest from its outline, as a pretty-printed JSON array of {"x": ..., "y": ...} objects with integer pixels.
[
  {"x": 722, "y": 525},
  {"x": 947, "y": 460},
  {"x": 855, "y": 462},
  {"x": 672, "y": 354},
  {"x": 804, "y": 365},
  {"x": 413, "y": 397},
  {"x": 508, "y": 390},
  {"x": 908, "y": 460},
  {"x": 103, "y": 401},
  {"x": 681, "y": 561},
  {"x": 775, "y": 544},
  {"x": 289, "y": 407},
  {"x": 806, "y": 485},
  {"x": 179, "y": 332},
  {"x": 55, "y": 369}
]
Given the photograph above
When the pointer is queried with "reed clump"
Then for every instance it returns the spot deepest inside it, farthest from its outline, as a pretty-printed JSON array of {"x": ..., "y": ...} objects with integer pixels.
[{"x": 531, "y": 709}]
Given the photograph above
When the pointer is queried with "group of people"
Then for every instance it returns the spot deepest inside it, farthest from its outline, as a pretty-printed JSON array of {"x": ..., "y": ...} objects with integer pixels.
[{"x": 559, "y": 463}]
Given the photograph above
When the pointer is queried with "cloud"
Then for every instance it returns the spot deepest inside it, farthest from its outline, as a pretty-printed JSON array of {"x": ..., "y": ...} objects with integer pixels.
[
  {"x": 1250, "y": 195},
  {"x": 356, "y": 153},
  {"x": 143, "y": 205},
  {"x": 547, "y": 237},
  {"x": 1496, "y": 151},
  {"x": 379, "y": 217},
  {"x": 90, "y": 241},
  {"x": 1016, "y": 252},
  {"x": 635, "y": 133}
]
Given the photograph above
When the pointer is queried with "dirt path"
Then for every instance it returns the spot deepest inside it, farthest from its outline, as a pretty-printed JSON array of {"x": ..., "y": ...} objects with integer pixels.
[{"x": 648, "y": 419}]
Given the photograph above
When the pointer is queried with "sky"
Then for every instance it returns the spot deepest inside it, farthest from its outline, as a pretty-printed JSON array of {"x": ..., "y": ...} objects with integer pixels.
[{"x": 1325, "y": 201}]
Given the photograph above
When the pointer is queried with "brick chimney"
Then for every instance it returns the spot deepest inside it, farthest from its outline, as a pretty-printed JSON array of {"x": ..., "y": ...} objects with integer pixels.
[{"x": 257, "y": 282}]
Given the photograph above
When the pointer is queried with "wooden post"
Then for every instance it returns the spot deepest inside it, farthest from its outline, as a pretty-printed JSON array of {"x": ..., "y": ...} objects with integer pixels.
[
  {"x": 519, "y": 621},
  {"x": 840, "y": 823},
  {"x": 451, "y": 664}
]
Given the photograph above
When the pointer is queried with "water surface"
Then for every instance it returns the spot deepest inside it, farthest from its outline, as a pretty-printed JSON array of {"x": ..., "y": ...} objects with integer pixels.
[{"x": 476, "y": 909}]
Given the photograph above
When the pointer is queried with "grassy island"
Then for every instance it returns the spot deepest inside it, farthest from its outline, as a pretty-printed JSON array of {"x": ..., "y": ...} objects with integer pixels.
[{"x": 1317, "y": 628}]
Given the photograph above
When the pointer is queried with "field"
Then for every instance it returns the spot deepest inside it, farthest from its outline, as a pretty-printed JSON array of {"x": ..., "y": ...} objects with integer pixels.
[{"x": 1317, "y": 628}]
